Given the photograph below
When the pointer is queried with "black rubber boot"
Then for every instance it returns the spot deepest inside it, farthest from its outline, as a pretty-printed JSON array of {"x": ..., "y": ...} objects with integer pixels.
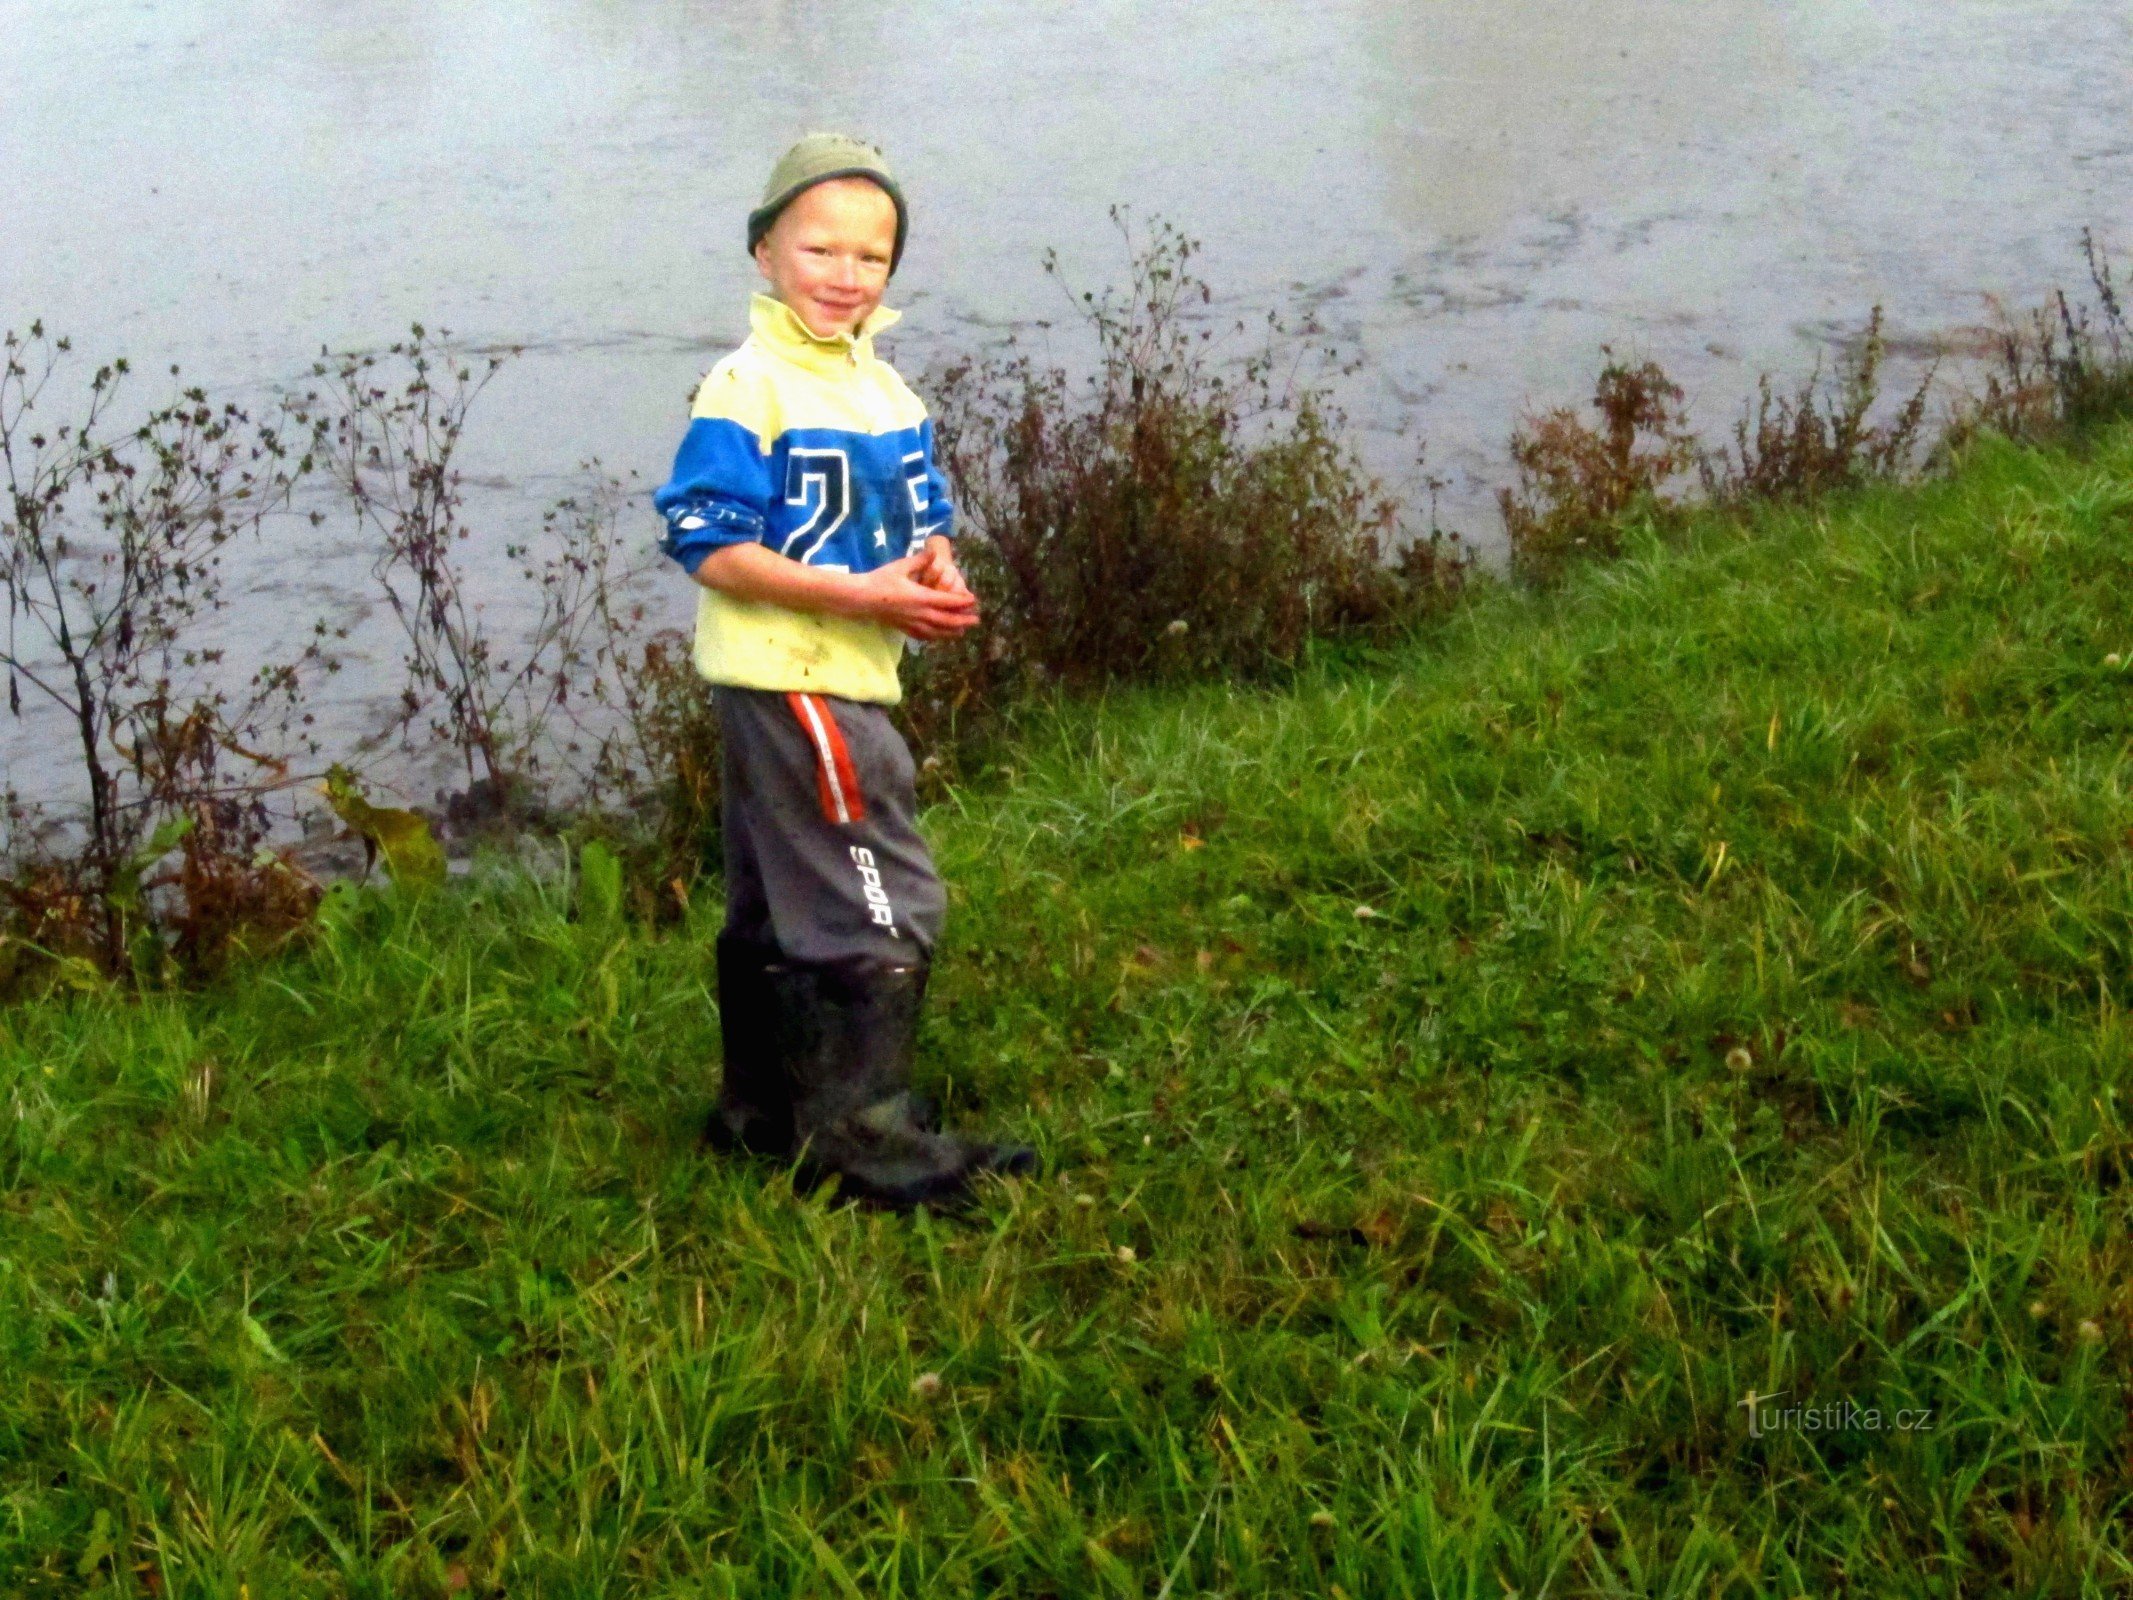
[
  {"x": 754, "y": 1111},
  {"x": 846, "y": 1036},
  {"x": 1006, "y": 1159}
]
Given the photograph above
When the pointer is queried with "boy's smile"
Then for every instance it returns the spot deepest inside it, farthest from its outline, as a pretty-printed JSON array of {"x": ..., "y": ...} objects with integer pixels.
[{"x": 827, "y": 256}]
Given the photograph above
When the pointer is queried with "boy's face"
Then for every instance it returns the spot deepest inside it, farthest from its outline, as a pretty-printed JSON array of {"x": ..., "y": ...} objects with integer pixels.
[{"x": 827, "y": 255}]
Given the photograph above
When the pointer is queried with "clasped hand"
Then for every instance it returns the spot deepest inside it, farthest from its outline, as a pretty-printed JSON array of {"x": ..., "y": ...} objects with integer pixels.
[{"x": 923, "y": 594}]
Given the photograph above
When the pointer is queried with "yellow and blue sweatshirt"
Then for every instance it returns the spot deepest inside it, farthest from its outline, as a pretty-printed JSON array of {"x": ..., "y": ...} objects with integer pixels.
[{"x": 814, "y": 448}]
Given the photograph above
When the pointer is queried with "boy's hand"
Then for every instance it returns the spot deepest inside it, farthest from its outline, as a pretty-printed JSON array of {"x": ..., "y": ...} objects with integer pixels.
[
  {"x": 937, "y": 568},
  {"x": 912, "y": 595},
  {"x": 937, "y": 606}
]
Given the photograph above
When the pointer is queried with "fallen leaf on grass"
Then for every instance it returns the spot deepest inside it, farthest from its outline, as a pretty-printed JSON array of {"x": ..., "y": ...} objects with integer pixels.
[{"x": 260, "y": 1341}]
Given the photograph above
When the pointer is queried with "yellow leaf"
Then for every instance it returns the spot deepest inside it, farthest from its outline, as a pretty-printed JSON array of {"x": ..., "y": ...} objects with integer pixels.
[{"x": 412, "y": 854}]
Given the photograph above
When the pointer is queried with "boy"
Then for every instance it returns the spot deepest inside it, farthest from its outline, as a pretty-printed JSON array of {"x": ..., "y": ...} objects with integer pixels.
[{"x": 806, "y": 503}]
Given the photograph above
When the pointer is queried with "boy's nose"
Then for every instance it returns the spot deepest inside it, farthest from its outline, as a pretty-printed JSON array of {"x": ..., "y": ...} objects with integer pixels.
[{"x": 847, "y": 273}]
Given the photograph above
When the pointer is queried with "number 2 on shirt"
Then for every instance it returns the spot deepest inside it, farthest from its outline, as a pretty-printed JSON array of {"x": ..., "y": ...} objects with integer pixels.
[{"x": 821, "y": 481}]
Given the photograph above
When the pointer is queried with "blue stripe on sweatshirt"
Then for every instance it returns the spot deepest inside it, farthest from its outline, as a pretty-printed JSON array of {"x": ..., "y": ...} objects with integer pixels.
[
  {"x": 718, "y": 494},
  {"x": 829, "y": 497}
]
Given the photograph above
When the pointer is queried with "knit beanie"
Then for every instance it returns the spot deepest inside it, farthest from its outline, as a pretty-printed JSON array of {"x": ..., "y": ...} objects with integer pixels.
[{"x": 816, "y": 159}]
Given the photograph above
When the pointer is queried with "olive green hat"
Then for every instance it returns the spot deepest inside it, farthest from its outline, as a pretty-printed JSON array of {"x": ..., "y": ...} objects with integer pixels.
[{"x": 816, "y": 159}]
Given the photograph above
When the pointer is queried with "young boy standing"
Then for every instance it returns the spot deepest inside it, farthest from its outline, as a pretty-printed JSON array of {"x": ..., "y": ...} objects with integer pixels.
[{"x": 806, "y": 503}]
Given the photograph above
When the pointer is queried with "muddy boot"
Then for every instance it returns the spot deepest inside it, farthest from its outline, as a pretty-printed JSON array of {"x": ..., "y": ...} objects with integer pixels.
[
  {"x": 754, "y": 1111},
  {"x": 1006, "y": 1159},
  {"x": 846, "y": 1038}
]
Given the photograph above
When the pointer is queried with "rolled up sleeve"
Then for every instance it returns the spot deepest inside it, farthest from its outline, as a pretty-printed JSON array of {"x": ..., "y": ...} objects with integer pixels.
[{"x": 718, "y": 494}]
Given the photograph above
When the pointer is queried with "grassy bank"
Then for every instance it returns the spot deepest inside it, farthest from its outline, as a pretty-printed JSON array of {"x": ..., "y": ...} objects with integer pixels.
[{"x": 1469, "y": 1076}]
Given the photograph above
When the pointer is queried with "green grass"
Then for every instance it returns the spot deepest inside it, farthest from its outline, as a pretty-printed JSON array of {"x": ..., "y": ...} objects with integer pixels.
[{"x": 1740, "y": 1011}]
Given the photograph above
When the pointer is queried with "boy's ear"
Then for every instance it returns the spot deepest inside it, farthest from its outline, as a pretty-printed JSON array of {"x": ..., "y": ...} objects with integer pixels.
[{"x": 762, "y": 255}]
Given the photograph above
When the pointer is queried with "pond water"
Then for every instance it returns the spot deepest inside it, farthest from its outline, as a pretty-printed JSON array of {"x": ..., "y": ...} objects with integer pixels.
[{"x": 1473, "y": 195}]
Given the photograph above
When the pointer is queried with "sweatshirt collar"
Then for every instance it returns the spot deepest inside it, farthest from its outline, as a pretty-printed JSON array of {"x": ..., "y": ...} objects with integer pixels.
[{"x": 779, "y": 327}]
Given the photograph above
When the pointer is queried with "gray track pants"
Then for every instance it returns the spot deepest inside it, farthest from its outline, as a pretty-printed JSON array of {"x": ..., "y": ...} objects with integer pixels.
[{"x": 824, "y": 861}]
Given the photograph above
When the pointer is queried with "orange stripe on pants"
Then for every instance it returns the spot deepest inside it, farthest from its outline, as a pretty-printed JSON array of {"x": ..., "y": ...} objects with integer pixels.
[{"x": 836, "y": 779}]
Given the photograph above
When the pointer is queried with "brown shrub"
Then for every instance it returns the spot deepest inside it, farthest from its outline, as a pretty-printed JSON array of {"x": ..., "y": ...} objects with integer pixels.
[
  {"x": 112, "y": 538},
  {"x": 1170, "y": 517},
  {"x": 1805, "y": 445},
  {"x": 1577, "y": 483},
  {"x": 657, "y": 766},
  {"x": 2066, "y": 369},
  {"x": 228, "y": 903},
  {"x": 51, "y": 925}
]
